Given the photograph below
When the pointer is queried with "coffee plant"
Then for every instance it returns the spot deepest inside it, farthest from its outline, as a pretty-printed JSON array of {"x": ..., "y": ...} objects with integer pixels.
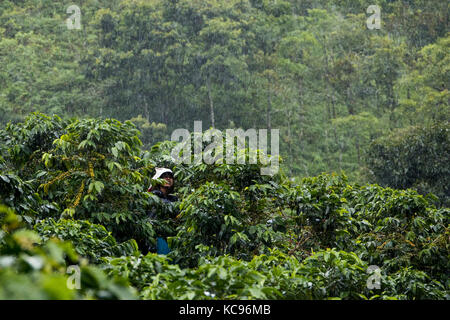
[{"x": 73, "y": 192}]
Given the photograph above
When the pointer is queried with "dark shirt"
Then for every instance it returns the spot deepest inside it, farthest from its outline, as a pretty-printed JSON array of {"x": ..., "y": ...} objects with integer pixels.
[
  {"x": 165, "y": 199},
  {"x": 161, "y": 235},
  {"x": 168, "y": 198}
]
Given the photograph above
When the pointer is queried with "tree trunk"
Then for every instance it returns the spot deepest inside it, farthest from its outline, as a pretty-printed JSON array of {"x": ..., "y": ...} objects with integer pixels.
[
  {"x": 350, "y": 104},
  {"x": 145, "y": 109},
  {"x": 359, "y": 153},
  {"x": 211, "y": 103},
  {"x": 300, "y": 101},
  {"x": 331, "y": 107},
  {"x": 269, "y": 107},
  {"x": 289, "y": 132}
]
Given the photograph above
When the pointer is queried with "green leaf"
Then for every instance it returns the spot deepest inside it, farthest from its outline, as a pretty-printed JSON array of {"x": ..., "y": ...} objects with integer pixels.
[{"x": 99, "y": 186}]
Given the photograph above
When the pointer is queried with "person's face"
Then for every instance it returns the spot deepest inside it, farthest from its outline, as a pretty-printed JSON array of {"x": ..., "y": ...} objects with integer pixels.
[{"x": 168, "y": 177}]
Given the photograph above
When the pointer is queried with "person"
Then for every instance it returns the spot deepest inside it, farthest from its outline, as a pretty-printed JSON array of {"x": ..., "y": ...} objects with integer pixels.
[{"x": 163, "y": 191}]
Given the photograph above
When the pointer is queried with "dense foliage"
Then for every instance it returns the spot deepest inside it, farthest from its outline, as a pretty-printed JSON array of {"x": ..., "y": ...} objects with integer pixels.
[
  {"x": 77, "y": 196},
  {"x": 417, "y": 157},
  {"x": 86, "y": 115},
  {"x": 313, "y": 69}
]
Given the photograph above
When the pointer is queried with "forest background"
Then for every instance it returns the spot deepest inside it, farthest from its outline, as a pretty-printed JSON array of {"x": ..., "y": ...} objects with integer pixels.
[{"x": 312, "y": 69}]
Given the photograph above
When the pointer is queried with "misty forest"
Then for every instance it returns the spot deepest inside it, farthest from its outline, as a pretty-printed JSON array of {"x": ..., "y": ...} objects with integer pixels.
[{"x": 91, "y": 92}]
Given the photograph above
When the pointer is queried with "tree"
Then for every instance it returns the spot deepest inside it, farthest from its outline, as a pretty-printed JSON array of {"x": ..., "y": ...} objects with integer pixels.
[
  {"x": 236, "y": 233},
  {"x": 414, "y": 157}
]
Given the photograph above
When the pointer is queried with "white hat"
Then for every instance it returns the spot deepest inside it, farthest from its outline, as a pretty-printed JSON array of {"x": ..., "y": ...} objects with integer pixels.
[{"x": 159, "y": 173}]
